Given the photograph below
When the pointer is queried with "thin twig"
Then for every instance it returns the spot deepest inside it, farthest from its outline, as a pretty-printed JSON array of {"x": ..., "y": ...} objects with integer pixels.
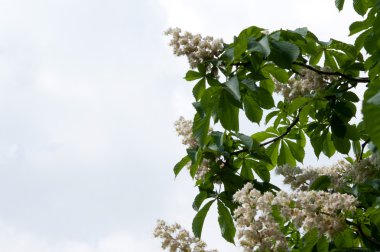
[
  {"x": 288, "y": 129},
  {"x": 345, "y": 76},
  {"x": 363, "y": 146}
]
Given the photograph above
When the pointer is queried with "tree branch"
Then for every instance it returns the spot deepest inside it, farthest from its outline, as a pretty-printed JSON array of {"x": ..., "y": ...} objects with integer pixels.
[
  {"x": 288, "y": 129},
  {"x": 363, "y": 146},
  {"x": 345, "y": 76}
]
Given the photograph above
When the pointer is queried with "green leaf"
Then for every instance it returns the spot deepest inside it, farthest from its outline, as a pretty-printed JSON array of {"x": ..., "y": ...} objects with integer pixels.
[
  {"x": 357, "y": 148},
  {"x": 321, "y": 183},
  {"x": 252, "y": 110},
  {"x": 276, "y": 213},
  {"x": 339, "y": 4},
  {"x": 271, "y": 115},
  {"x": 200, "y": 218},
  {"x": 246, "y": 171},
  {"x": 228, "y": 113},
  {"x": 199, "y": 88},
  {"x": 323, "y": 244},
  {"x": 192, "y": 75},
  {"x": 285, "y": 156},
  {"x": 202, "y": 195},
  {"x": 351, "y": 96},
  {"x": 212, "y": 81},
  {"x": 361, "y": 39},
  {"x": 201, "y": 126},
  {"x": 267, "y": 84},
  {"x": 247, "y": 141},
  {"x": 202, "y": 68},
  {"x": 263, "y": 98},
  {"x": 261, "y": 136},
  {"x": 360, "y": 6},
  {"x": 262, "y": 171},
  {"x": 317, "y": 143},
  {"x": 359, "y": 26},
  {"x": 309, "y": 240},
  {"x": 328, "y": 146},
  {"x": 345, "y": 109},
  {"x": 371, "y": 112},
  {"x": 344, "y": 239},
  {"x": 283, "y": 53},
  {"x": 196, "y": 157},
  {"x": 278, "y": 73},
  {"x": 342, "y": 145},
  {"x": 297, "y": 103},
  {"x": 297, "y": 151},
  {"x": 352, "y": 133},
  {"x": 338, "y": 127},
  {"x": 264, "y": 42},
  {"x": 233, "y": 87},
  {"x": 329, "y": 61},
  {"x": 240, "y": 46},
  {"x": 344, "y": 47},
  {"x": 226, "y": 223},
  {"x": 179, "y": 166},
  {"x": 252, "y": 31},
  {"x": 315, "y": 58}
]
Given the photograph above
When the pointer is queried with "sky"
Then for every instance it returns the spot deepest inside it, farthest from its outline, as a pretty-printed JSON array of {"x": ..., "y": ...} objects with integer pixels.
[{"x": 89, "y": 91}]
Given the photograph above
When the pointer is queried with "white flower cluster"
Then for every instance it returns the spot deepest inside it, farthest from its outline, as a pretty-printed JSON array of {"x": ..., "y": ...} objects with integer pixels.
[
  {"x": 195, "y": 47},
  {"x": 203, "y": 169},
  {"x": 305, "y": 83},
  {"x": 184, "y": 129},
  {"x": 301, "y": 179},
  {"x": 258, "y": 230},
  {"x": 363, "y": 170},
  {"x": 341, "y": 173},
  {"x": 176, "y": 239}
]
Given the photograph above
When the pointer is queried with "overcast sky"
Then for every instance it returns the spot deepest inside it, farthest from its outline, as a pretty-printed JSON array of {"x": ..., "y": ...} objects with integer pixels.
[{"x": 89, "y": 91}]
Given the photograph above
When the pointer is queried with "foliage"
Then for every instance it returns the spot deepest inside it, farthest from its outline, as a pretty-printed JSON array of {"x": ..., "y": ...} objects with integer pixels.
[{"x": 319, "y": 82}]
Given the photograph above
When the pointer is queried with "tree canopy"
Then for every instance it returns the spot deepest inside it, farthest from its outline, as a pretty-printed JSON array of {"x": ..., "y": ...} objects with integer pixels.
[{"x": 334, "y": 208}]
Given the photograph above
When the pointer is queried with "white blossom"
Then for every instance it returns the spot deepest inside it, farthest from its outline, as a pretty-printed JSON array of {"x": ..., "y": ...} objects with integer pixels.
[
  {"x": 341, "y": 174},
  {"x": 197, "y": 48},
  {"x": 305, "y": 83},
  {"x": 259, "y": 231},
  {"x": 203, "y": 169},
  {"x": 176, "y": 239},
  {"x": 363, "y": 170},
  {"x": 184, "y": 129}
]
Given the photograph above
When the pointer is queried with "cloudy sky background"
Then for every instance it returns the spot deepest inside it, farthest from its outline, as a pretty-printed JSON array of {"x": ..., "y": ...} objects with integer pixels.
[{"x": 89, "y": 91}]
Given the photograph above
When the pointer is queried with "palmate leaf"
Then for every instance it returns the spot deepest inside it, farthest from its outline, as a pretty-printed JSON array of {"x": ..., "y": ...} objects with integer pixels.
[
  {"x": 233, "y": 87},
  {"x": 193, "y": 75},
  {"x": 199, "y": 88},
  {"x": 283, "y": 53},
  {"x": 228, "y": 113},
  {"x": 201, "y": 196},
  {"x": 179, "y": 166},
  {"x": 260, "y": 169},
  {"x": 199, "y": 219},
  {"x": 297, "y": 151},
  {"x": 252, "y": 110},
  {"x": 361, "y": 6},
  {"x": 321, "y": 183},
  {"x": 201, "y": 127},
  {"x": 226, "y": 223},
  {"x": 339, "y": 4}
]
